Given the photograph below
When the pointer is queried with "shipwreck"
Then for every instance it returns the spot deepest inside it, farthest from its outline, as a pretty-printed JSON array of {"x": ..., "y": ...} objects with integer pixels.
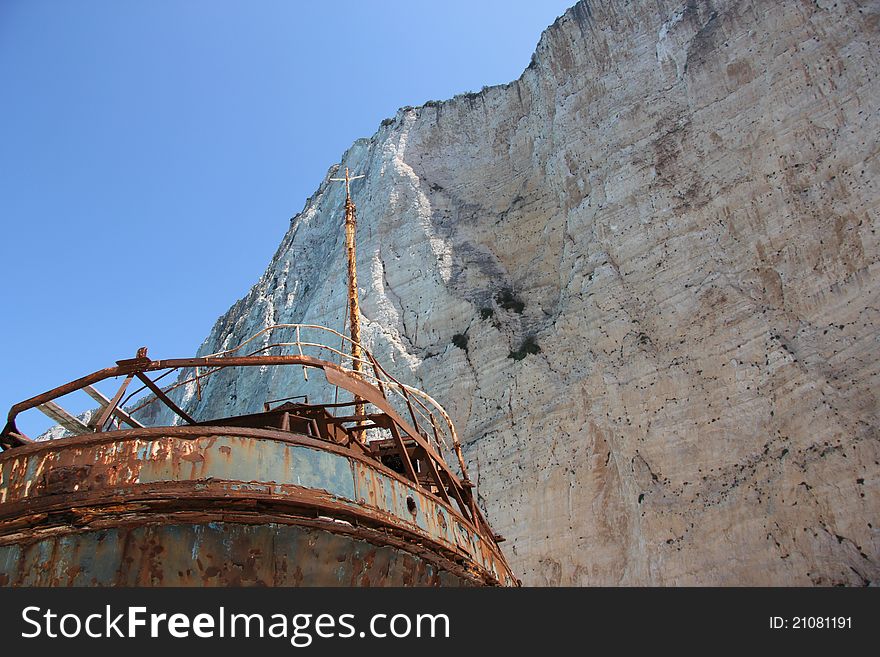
[{"x": 299, "y": 492}]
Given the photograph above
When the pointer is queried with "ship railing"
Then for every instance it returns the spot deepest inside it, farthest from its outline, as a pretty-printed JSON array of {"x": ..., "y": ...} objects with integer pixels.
[{"x": 423, "y": 409}]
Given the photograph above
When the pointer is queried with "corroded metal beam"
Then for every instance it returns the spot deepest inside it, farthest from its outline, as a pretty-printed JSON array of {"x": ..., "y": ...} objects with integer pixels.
[
  {"x": 156, "y": 390},
  {"x": 103, "y": 402}
]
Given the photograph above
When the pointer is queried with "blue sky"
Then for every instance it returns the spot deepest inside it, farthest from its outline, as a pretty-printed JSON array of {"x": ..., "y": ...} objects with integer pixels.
[{"x": 152, "y": 153}]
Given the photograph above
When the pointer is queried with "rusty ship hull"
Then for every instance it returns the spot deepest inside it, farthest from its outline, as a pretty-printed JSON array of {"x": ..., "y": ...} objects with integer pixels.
[
  {"x": 288, "y": 497},
  {"x": 214, "y": 506}
]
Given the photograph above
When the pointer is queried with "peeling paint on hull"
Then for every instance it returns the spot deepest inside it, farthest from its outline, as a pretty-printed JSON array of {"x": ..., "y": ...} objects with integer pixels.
[
  {"x": 200, "y": 506},
  {"x": 214, "y": 554}
]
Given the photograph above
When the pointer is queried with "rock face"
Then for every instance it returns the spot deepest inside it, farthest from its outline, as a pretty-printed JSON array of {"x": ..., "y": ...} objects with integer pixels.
[{"x": 643, "y": 279}]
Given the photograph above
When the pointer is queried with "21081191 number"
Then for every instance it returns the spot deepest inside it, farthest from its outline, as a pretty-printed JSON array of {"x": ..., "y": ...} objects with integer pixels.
[
  {"x": 811, "y": 622},
  {"x": 821, "y": 622}
]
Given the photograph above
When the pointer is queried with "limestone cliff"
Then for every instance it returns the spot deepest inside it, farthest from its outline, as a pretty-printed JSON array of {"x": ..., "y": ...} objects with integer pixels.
[{"x": 643, "y": 278}]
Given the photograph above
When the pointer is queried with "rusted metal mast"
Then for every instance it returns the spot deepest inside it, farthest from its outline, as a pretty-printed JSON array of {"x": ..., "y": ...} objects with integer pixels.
[
  {"x": 354, "y": 310},
  {"x": 317, "y": 484}
]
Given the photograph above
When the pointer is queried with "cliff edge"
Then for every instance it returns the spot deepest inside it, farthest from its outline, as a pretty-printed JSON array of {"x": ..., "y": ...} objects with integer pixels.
[{"x": 643, "y": 279}]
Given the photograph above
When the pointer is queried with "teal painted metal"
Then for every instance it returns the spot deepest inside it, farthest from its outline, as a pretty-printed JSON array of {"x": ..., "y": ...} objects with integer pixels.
[
  {"x": 120, "y": 480},
  {"x": 236, "y": 458},
  {"x": 215, "y": 554}
]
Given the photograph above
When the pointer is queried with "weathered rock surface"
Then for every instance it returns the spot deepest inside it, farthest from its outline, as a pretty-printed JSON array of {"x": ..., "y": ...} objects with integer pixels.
[{"x": 661, "y": 246}]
